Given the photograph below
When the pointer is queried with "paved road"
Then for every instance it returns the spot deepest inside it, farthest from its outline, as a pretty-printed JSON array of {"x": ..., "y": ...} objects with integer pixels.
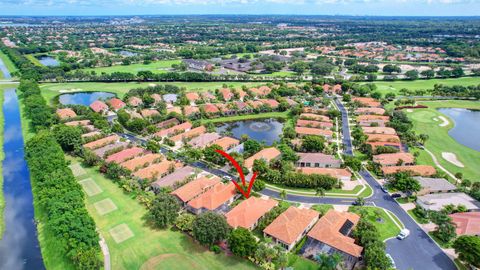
[{"x": 347, "y": 140}]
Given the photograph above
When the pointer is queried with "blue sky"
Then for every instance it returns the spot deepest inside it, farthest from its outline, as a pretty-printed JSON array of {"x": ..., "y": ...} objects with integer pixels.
[{"x": 313, "y": 7}]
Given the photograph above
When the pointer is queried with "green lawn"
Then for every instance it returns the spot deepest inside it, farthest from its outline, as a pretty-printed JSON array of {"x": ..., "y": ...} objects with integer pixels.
[
  {"x": 279, "y": 74},
  {"x": 299, "y": 263},
  {"x": 417, "y": 218},
  {"x": 150, "y": 248},
  {"x": 8, "y": 63},
  {"x": 322, "y": 208},
  {"x": 34, "y": 60},
  {"x": 155, "y": 67},
  {"x": 50, "y": 90},
  {"x": 440, "y": 141},
  {"x": 282, "y": 115},
  {"x": 384, "y": 224},
  {"x": 394, "y": 87}
]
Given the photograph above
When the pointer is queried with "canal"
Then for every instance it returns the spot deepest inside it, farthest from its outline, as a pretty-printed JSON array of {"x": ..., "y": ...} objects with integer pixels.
[{"x": 19, "y": 248}]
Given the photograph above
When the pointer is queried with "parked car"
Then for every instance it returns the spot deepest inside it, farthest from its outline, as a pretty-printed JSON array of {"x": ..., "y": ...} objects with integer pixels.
[
  {"x": 391, "y": 261},
  {"x": 396, "y": 195},
  {"x": 404, "y": 233}
]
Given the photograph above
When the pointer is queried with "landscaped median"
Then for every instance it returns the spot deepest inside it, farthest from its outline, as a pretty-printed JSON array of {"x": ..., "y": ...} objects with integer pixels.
[{"x": 387, "y": 224}]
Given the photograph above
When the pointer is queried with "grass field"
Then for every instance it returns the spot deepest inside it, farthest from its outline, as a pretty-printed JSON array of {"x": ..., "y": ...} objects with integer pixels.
[
  {"x": 8, "y": 63},
  {"x": 34, "y": 60},
  {"x": 50, "y": 90},
  {"x": 385, "y": 225},
  {"x": 155, "y": 67},
  {"x": 2, "y": 156},
  {"x": 440, "y": 141},
  {"x": 140, "y": 247},
  {"x": 394, "y": 87}
]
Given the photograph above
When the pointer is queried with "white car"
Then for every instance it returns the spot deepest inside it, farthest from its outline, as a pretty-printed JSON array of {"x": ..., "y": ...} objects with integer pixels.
[
  {"x": 392, "y": 262},
  {"x": 404, "y": 233}
]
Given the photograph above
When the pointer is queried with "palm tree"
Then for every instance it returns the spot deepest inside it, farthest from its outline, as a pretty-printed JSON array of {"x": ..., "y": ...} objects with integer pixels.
[
  {"x": 283, "y": 194},
  {"x": 328, "y": 262}
]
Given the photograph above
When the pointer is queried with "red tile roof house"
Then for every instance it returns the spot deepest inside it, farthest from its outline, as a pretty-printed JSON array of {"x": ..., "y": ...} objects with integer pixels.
[
  {"x": 125, "y": 155},
  {"x": 195, "y": 188},
  {"x": 78, "y": 123},
  {"x": 316, "y": 117},
  {"x": 114, "y": 146},
  {"x": 248, "y": 213},
  {"x": 174, "y": 130},
  {"x": 375, "y": 145},
  {"x": 168, "y": 123},
  {"x": 317, "y": 160},
  {"x": 383, "y": 138},
  {"x": 135, "y": 101},
  {"x": 372, "y": 123},
  {"x": 217, "y": 199},
  {"x": 91, "y": 134},
  {"x": 175, "y": 178},
  {"x": 394, "y": 159},
  {"x": 149, "y": 113},
  {"x": 272, "y": 103},
  {"x": 155, "y": 171},
  {"x": 192, "y": 97},
  {"x": 468, "y": 223},
  {"x": 116, "y": 104},
  {"x": 242, "y": 106},
  {"x": 191, "y": 110},
  {"x": 175, "y": 109},
  {"x": 416, "y": 170},
  {"x": 268, "y": 154},
  {"x": 372, "y": 111},
  {"x": 340, "y": 174},
  {"x": 141, "y": 162},
  {"x": 331, "y": 235},
  {"x": 368, "y": 102},
  {"x": 261, "y": 91},
  {"x": 210, "y": 109},
  {"x": 255, "y": 104},
  {"x": 204, "y": 140},
  {"x": 227, "y": 143},
  {"x": 99, "y": 106},
  {"x": 187, "y": 135},
  {"x": 226, "y": 93},
  {"x": 314, "y": 124},
  {"x": 208, "y": 96},
  {"x": 290, "y": 226},
  {"x": 369, "y": 117},
  {"x": 304, "y": 131},
  {"x": 225, "y": 109},
  {"x": 101, "y": 142},
  {"x": 66, "y": 113},
  {"x": 315, "y": 110},
  {"x": 241, "y": 94},
  {"x": 157, "y": 98},
  {"x": 379, "y": 130}
]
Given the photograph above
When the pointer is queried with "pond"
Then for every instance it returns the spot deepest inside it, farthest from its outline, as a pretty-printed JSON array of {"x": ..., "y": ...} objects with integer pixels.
[
  {"x": 48, "y": 61},
  {"x": 467, "y": 126},
  {"x": 267, "y": 130},
  {"x": 19, "y": 247},
  {"x": 83, "y": 98}
]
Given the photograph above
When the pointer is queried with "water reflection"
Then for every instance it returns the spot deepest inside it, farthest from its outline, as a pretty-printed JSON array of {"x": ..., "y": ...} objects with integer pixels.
[
  {"x": 467, "y": 128},
  {"x": 83, "y": 98},
  {"x": 267, "y": 130}
]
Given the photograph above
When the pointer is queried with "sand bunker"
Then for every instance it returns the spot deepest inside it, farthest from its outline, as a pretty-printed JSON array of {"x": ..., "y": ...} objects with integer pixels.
[
  {"x": 70, "y": 90},
  {"x": 444, "y": 123},
  {"x": 452, "y": 158}
]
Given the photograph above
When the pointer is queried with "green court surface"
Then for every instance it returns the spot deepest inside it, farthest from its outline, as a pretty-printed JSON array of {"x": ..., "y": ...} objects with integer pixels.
[
  {"x": 77, "y": 169},
  {"x": 90, "y": 187},
  {"x": 105, "y": 206},
  {"x": 121, "y": 233}
]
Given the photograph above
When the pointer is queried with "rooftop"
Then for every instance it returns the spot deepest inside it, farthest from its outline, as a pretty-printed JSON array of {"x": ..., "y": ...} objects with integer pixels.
[
  {"x": 194, "y": 188},
  {"x": 437, "y": 201},
  {"x": 219, "y": 194},
  {"x": 249, "y": 211}
]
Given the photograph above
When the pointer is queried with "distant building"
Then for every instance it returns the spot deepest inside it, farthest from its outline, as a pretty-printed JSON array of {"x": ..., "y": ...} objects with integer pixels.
[
  {"x": 437, "y": 201},
  {"x": 317, "y": 160},
  {"x": 201, "y": 65},
  {"x": 434, "y": 185}
]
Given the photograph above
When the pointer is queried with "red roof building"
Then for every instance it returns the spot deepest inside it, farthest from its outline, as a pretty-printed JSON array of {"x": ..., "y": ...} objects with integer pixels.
[
  {"x": 116, "y": 104},
  {"x": 247, "y": 213},
  {"x": 99, "y": 106}
]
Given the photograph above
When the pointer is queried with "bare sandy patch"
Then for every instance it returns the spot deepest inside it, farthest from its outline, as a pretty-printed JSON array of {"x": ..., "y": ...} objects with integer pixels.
[
  {"x": 444, "y": 123},
  {"x": 70, "y": 90},
  {"x": 452, "y": 158}
]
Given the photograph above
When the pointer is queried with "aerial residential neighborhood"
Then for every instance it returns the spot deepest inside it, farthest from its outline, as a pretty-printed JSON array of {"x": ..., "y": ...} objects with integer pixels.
[{"x": 136, "y": 137}]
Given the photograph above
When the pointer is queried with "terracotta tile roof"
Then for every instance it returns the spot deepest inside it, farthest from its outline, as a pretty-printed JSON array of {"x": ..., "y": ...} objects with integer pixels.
[
  {"x": 393, "y": 159},
  {"x": 379, "y": 130},
  {"x": 140, "y": 162},
  {"x": 98, "y": 106},
  {"x": 291, "y": 102},
  {"x": 382, "y": 138},
  {"x": 267, "y": 153},
  {"x": 174, "y": 129},
  {"x": 241, "y": 94},
  {"x": 261, "y": 91},
  {"x": 156, "y": 97},
  {"x": 194, "y": 188},
  {"x": 314, "y": 124},
  {"x": 368, "y": 110},
  {"x": 254, "y": 103},
  {"x": 422, "y": 170},
  {"x": 90, "y": 134},
  {"x": 289, "y": 225},
  {"x": 125, "y": 154},
  {"x": 175, "y": 109},
  {"x": 177, "y": 176},
  {"x": 333, "y": 172},
  {"x": 210, "y": 108},
  {"x": 78, "y": 123},
  {"x": 374, "y": 145},
  {"x": 204, "y": 140},
  {"x": 190, "y": 110},
  {"x": 241, "y": 105},
  {"x": 226, "y": 93},
  {"x": 154, "y": 170},
  {"x": 66, "y": 113},
  {"x": 168, "y": 123},
  {"x": 208, "y": 96},
  {"x": 369, "y": 102},
  {"x": 373, "y": 117},
  {"x": 313, "y": 131},
  {"x": 468, "y": 223},
  {"x": 314, "y": 110},
  {"x": 249, "y": 211},
  {"x": 223, "y": 107},
  {"x": 135, "y": 101},
  {"x": 189, "y": 134},
  {"x": 226, "y": 143},
  {"x": 214, "y": 197},
  {"x": 327, "y": 230},
  {"x": 272, "y": 103},
  {"x": 149, "y": 112},
  {"x": 311, "y": 116},
  {"x": 116, "y": 103},
  {"x": 317, "y": 158},
  {"x": 101, "y": 142},
  {"x": 192, "y": 96}
]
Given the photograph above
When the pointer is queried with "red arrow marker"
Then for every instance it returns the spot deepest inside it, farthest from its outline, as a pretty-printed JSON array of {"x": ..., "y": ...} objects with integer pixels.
[{"x": 240, "y": 172}]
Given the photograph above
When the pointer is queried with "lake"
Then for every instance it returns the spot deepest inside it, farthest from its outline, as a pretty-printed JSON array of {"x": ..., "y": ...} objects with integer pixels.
[
  {"x": 267, "y": 130},
  {"x": 83, "y": 98},
  {"x": 48, "y": 61},
  {"x": 467, "y": 126},
  {"x": 19, "y": 247}
]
